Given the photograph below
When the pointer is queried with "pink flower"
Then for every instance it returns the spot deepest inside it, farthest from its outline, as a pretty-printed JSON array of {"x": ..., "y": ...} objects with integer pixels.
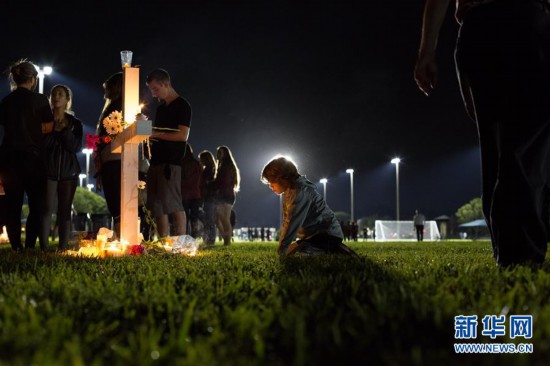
[{"x": 92, "y": 141}]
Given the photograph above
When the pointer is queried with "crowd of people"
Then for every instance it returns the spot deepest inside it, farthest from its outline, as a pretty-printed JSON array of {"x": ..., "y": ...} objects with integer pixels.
[
  {"x": 184, "y": 194},
  {"x": 42, "y": 136}
]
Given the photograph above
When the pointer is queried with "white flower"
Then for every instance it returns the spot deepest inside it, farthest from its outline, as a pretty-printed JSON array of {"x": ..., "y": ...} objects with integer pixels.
[
  {"x": 141, "y": 184},
  {"x": 116, "y": 117}
]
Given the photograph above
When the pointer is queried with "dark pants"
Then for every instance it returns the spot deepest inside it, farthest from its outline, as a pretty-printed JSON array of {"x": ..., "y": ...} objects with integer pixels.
[
  {"x": 503, "y": 59},
  {"x": 192, "y": 211},
  {"x": 63, "y": 192},
  {"x": 209, "y": 235},
  {"x": 321, "y": 244},
  {"x": 24, "y": 173},
  {"x": 419, "y": 232},
  {"x": 110, "y": 178}
]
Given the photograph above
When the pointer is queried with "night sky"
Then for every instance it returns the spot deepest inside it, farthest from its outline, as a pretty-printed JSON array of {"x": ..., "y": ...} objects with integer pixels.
[{"x": 327, "y": 82}]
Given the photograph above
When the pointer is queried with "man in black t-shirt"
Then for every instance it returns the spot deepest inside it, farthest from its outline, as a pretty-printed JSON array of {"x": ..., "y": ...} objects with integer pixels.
[
  {"x": 171, "y": 130},
  {"x": 25, "y": 117}
]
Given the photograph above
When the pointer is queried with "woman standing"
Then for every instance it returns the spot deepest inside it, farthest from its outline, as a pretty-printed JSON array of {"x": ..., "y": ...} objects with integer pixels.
[
  {"x": 26, "y": 117},
  {"x": 62, "y": 165},
  {"x": 226, "y": 185},
  {"x": 107, "y": 165},
  {"x": 191, "y": 172},
  {"x": 207, "y": 193}
]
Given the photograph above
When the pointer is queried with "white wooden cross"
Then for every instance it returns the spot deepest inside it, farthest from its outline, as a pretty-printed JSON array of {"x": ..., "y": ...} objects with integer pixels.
[{"x": 127, "y": 142}]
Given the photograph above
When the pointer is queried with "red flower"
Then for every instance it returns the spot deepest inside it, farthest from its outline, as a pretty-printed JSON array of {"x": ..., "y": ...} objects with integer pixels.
[
  {"x": 92, "y": 141},
  {"x": 137, "y": 249},
  {"x": 106, "y": 139}
]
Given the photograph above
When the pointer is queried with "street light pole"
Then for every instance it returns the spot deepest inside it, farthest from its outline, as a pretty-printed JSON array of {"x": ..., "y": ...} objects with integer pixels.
[
  {"x": 42, "y": 72},
  {"x": 324, "y": 183},
  {"x": 350, "y": 172},
  {"x": 396, "y": 161},
  {"x": 88, "y": 152},
  {"x": 81, "y": 176}
]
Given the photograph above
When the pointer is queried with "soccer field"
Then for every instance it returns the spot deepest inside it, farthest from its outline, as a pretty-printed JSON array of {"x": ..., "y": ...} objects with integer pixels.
[{"x": 239, "y": 305}]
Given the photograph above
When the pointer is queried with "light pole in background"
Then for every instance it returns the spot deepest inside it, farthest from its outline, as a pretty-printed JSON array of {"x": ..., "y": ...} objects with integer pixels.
[
  {"x": 396, "y": 161},
  {"x": 350, "y": 172},
  {"x": 88, "y": 152},
  {"x": 324, "y": 183},
  {"x": 42, "y": 72},
  {"x": 81, "y": 176}
]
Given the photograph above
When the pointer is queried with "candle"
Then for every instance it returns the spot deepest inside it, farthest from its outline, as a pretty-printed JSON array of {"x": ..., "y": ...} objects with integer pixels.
[
  {"x": 100, "y": 241},
  {"x": 88, "y": 252}
]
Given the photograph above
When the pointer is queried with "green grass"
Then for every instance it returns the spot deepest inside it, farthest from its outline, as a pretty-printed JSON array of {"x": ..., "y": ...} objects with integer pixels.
[{"x": 240, "y": 305}]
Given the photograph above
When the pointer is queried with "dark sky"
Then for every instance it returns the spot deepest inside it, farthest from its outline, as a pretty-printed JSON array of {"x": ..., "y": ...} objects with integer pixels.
[{"x": 327, "y": 82}]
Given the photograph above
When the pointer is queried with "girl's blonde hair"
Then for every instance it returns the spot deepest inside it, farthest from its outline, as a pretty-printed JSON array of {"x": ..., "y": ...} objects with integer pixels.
[{"x": 280, "y": 169}]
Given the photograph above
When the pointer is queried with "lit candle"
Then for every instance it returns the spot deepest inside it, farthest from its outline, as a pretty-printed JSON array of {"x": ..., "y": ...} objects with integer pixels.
[
  {"x": 88, "y": 252},
  {"x": 100, "y": 241}
]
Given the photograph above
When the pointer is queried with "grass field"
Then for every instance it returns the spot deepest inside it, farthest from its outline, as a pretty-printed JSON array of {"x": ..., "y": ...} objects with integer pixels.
[{"x": 240, "y": 305}]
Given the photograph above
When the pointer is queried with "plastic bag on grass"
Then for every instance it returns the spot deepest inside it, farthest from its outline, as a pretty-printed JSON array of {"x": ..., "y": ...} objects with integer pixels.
[{"x": 184, "y": 244}]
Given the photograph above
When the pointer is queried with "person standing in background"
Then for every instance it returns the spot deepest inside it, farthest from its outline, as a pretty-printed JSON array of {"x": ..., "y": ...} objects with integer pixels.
[
  {"x": 107, "y": 165},
  {"x": 62, "y": 165},
  {"x": 419, "y": 220},
  {"x": 226, "y": 186},
  {"x": 208, "y": 194},
  {"x": 191, "y": 172},
  {"x": 26, "y": 117}
]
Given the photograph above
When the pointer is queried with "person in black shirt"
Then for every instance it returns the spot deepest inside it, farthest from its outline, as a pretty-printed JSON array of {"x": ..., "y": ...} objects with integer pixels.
[
  {"x": 62, "y": 165},
  {"x": 26, "y": 117},
  {"x": 172, "y": 122}
]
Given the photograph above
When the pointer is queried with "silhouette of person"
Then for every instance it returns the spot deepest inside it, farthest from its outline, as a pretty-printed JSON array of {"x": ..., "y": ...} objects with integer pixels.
[
  {"x": 26, "y": 117},
  {"x": 503, "y": 66},
  {"x": 419, "y": 220}
]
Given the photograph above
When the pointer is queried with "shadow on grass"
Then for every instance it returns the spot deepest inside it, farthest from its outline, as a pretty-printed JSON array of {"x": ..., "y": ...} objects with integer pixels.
[{"x": 340, "y": 310}]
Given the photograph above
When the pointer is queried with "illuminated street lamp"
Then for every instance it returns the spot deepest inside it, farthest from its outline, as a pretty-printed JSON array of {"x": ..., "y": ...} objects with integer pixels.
[
  {"x": 88, "y": 152},
  {"x": 324, "y": 183},
  {"x": 81, "y": 176},
  {"x": 350, "y": 172},
  {"x": 42, "y": 72},
  {"x": 396, "y": 161}
]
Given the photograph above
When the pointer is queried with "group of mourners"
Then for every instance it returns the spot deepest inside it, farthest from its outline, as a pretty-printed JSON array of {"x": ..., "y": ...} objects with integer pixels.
[{"x": 38, "y": 158}]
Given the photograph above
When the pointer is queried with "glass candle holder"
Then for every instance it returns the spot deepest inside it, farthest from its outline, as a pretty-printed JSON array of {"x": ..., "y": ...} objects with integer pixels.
[{"x": 126, "y": 58}]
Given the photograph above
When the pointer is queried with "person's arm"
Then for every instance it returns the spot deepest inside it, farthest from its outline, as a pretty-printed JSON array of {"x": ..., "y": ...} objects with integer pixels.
[
  {"x": 181, "y": 135},
  {"x": 425, "y": 70},
  {"x": 293, "y": 220}
]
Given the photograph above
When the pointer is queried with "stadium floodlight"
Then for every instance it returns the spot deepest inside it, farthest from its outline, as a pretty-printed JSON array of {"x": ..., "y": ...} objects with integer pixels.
[
  {"x": 350, "y": 172},
  {"x": 396, "y": 161},
  {"x": 42, "y": 72},
  {"x": 324, "y": 183}
]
